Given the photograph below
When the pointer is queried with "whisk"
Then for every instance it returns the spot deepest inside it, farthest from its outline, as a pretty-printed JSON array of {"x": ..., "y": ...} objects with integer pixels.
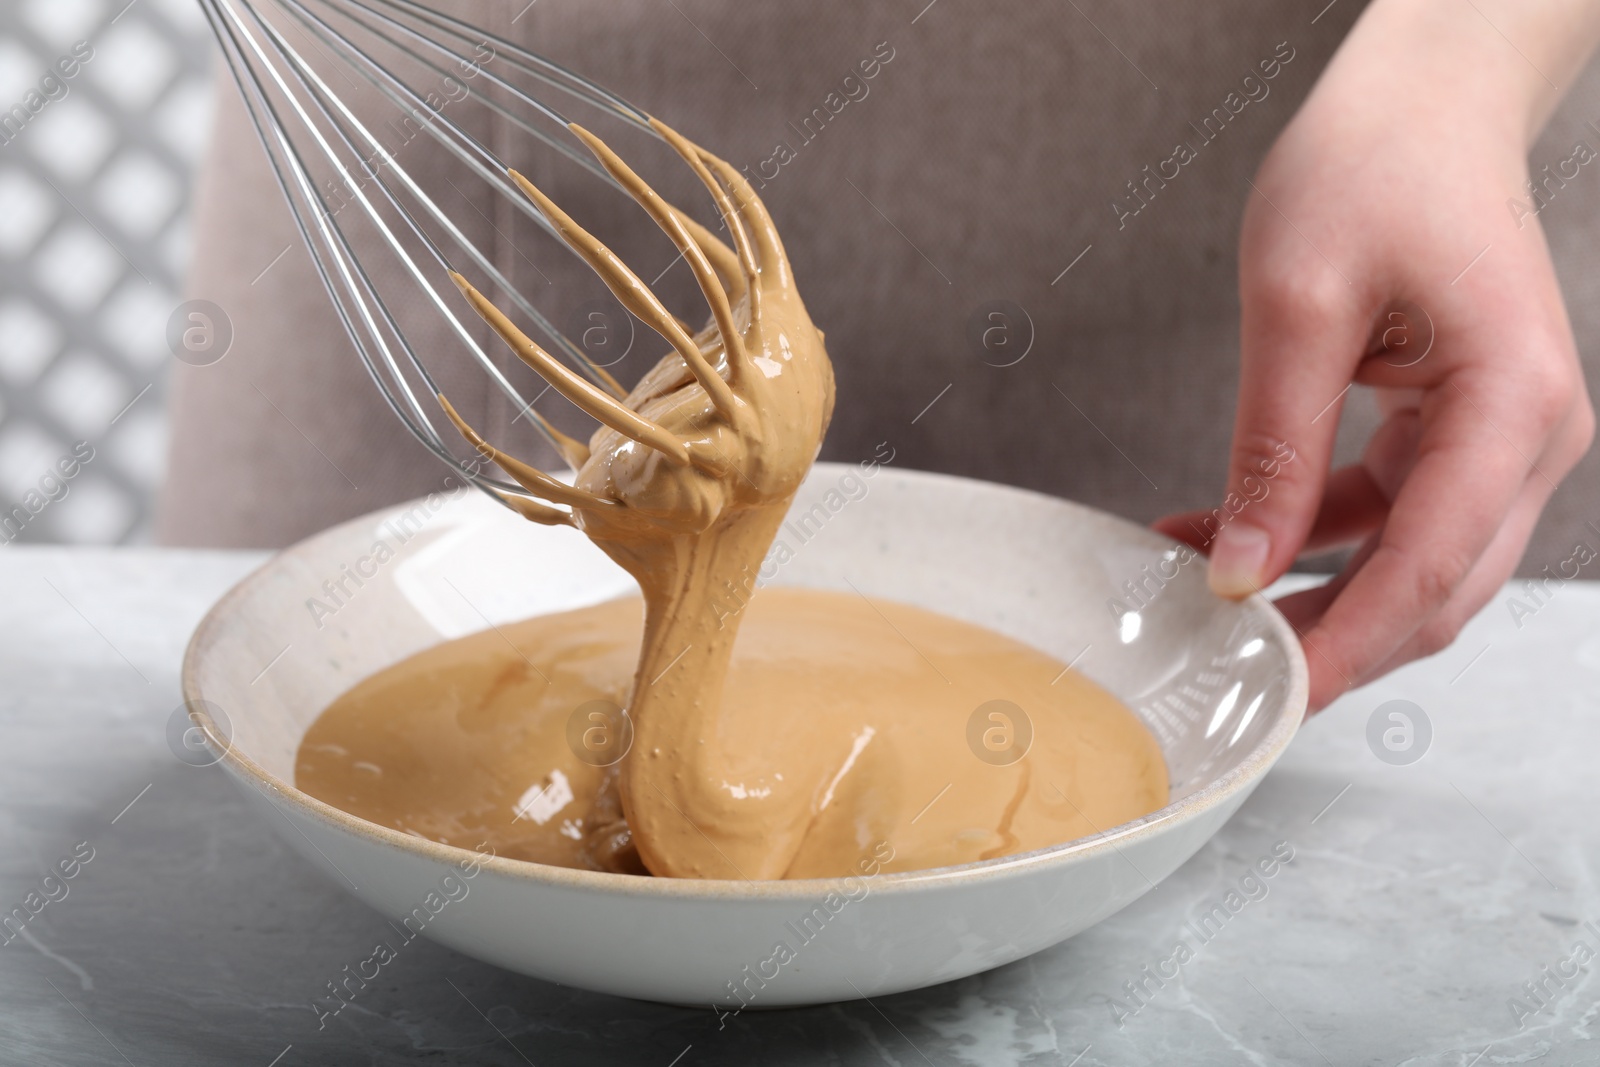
[{"x": 437, "y": 75}]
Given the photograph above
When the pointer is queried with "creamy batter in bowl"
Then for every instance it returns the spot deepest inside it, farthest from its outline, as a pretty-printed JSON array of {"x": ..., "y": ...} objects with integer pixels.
[{"x": 1221, "y": 686}]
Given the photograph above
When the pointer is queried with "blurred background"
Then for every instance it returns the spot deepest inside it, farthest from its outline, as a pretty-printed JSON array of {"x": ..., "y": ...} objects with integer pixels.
[
  {"x": 96, "y": 172},
  {"x": 97, "y": 176}
]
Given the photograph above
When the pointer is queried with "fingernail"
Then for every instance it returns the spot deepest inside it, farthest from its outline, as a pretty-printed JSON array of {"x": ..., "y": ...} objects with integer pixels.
[{"x": 1238, "y": 560}]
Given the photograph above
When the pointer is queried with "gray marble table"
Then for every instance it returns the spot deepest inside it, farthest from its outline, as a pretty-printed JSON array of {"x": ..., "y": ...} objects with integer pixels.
[{"x": 1439, "y": 912}]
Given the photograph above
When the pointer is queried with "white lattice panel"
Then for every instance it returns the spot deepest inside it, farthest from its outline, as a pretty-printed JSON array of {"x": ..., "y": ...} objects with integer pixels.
[{"x": 96, "y": 171}]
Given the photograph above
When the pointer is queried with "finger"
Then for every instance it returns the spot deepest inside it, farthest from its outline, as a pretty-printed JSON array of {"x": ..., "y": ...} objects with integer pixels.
[
  {"x": 1356, "y": 506},
  {"x": 1467, "y": 476},
  {"x": 1567, "y": 444},
  {"x": 1357, "y": 499},
  {"x": 1352, "y": 507},
  {"x": 1405, "y": 350},
  {"x": 1303, "y": 329},
  {"x": 1391, "y": 454},
  {"x": 1497, "y": 564},
  {"x": 1390, "y": 459},
  {"x": 1186, "y": 526},
  {"x": 1304, "y": 608}
]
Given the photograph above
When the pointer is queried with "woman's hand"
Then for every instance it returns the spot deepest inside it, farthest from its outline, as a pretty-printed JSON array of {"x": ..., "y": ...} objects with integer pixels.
[{"x": 1379, "y": 248}]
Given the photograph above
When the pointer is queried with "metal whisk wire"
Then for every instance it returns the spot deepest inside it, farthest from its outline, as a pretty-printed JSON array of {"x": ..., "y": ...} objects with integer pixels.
[{"x": 324, "y": 132}]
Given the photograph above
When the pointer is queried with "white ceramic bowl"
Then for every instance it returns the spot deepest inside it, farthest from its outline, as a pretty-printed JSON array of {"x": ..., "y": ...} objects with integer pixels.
[{"x": 1222, "y": 686}]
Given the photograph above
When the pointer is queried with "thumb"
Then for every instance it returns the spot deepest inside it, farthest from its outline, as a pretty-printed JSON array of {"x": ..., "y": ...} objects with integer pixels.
[{"x": 1301, "y": 335}]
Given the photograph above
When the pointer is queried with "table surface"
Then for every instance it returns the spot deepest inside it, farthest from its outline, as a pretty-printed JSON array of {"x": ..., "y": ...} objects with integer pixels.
[{"x": 1440, "y": 912}]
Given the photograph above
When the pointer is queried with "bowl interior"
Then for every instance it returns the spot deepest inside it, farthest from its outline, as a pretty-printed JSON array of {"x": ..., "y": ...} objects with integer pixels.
[{"x": 1220, "y": 684}]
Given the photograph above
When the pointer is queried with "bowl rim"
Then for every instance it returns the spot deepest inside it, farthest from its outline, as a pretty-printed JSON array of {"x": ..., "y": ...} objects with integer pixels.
[{"x": 1289, "y": 714}]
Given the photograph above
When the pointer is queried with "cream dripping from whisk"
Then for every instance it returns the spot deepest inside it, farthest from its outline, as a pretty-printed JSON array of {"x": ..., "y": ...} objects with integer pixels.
[{"x": 685, "y": 486}]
